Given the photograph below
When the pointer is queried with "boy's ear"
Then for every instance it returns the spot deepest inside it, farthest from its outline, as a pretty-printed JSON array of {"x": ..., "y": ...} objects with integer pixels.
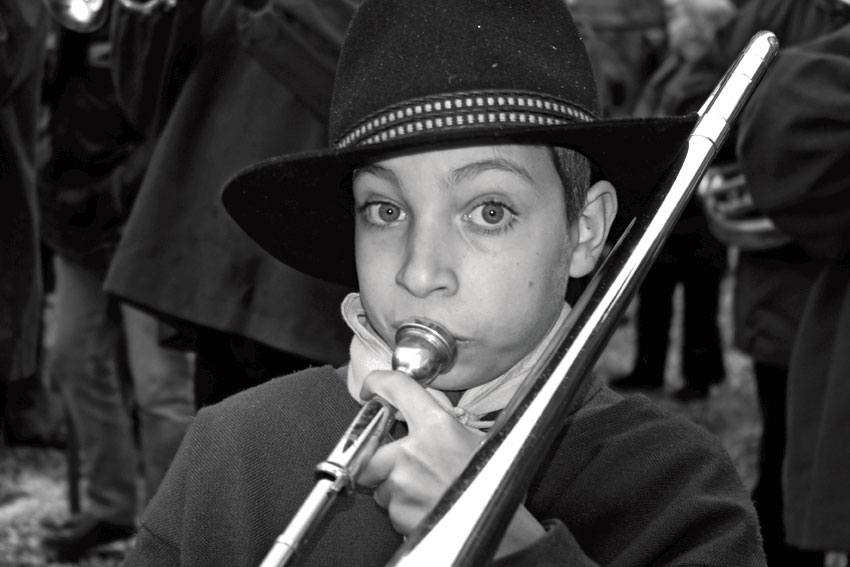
[{"x": 593, "y": 226}]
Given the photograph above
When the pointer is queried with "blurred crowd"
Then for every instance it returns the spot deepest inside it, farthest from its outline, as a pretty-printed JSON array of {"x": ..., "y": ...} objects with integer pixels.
[{"x": 116, "y": 137}]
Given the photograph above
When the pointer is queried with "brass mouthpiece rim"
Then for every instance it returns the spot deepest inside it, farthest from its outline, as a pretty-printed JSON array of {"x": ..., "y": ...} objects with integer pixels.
[{"x": 435, "y": 334}]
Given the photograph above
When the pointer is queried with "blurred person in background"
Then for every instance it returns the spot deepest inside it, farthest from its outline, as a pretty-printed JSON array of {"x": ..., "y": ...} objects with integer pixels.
[
  {"x": 691, "y": 27},
  {"x": 794, "y": 149},
  {"x": 106, "y": 359},
  {"x": 625, "y": 39},
  {"x": 770, "y": 281},
  {"x": 23, "y": 33},
  {"x": 242, "y": 80},
  {"x": 773, "y": 277},
  {"x": 691, "y": 256}
]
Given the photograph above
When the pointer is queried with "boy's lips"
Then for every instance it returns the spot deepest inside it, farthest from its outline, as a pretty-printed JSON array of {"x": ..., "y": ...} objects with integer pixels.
[{"x": 459, "y": 338}]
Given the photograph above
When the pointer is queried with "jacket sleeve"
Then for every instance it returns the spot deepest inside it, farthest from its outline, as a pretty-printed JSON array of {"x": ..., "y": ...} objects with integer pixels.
[
  {"x": 794, "y": 145},
  {"x": 629, "y": 485},
  {"x": 22, "y": 28},
  {"x": 298, "y": 43},
  {"x": 556, "y": 548}
]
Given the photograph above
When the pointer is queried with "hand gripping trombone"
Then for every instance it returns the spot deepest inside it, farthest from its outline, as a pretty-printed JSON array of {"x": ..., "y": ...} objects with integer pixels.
[{"x": 423, "y": 350}]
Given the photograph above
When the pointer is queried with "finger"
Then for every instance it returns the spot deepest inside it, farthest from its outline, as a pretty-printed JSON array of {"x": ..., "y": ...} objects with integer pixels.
[
  {"x": 407, "y": 396},
  {"x": 382, "y": 494},
  {"x": 403, "y": 517},
  {"x": 379, "y": 467},
  {"x": 404, "y": 513}
]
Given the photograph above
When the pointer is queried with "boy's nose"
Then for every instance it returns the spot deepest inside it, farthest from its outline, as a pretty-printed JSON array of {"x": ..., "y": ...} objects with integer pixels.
[{"x": 427, "y": 267}]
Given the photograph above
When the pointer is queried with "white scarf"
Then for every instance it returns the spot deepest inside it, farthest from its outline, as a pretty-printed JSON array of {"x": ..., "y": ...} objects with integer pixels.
[{"x": 369, "y": 352}]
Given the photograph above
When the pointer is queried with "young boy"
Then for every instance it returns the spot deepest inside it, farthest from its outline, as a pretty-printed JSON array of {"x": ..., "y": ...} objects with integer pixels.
[{"x": 471, "y": 173}]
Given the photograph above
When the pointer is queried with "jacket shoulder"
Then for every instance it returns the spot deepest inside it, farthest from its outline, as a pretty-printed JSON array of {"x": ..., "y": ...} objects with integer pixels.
[{"x": 628, "y": 478}]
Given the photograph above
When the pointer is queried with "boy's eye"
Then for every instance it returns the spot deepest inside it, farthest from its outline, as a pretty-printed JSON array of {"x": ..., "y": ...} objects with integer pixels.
[
  {"x": 382, "y": 213},
  {"x": 492, "y": 213},
  {"x": 489, "y": 215},
  {"x": 388, "y": 212}
]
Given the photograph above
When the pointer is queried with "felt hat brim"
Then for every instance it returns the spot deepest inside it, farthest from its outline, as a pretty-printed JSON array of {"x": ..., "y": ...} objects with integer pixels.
[{"x": 299, "y": 207}]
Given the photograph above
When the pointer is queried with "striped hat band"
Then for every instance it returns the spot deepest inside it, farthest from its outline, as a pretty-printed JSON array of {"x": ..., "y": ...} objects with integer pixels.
[{"x": 463, "y": 110}]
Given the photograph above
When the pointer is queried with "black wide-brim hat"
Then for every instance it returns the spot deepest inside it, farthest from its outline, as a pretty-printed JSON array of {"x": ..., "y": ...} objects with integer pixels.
[{"x": 417, "y": 75}]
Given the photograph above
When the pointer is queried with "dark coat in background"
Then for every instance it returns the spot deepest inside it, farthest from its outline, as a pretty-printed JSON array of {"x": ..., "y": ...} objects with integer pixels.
[
  {"x": 96, "y": 158},
  {"x": 23, "y": 30},
  {"x": 793, "y": 22},
  {"x": 181, "y": 255},
  {"x": 769, "y": 283},
  {"x": 795, "y": 144}
]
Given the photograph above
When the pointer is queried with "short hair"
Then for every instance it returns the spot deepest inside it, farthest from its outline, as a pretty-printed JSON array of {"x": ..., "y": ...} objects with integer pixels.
[{"x": 574, "y": 171}]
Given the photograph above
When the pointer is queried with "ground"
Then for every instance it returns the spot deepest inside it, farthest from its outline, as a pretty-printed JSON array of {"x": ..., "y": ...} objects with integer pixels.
[{"x": 33, "y": 483}]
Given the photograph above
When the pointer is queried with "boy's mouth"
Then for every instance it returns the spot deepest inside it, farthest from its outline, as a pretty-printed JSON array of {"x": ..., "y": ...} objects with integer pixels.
[{"x": 459, "y": 339}]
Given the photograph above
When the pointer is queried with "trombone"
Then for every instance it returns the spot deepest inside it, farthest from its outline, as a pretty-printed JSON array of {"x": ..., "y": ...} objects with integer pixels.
[
  {"x": 87, "y": 16},
  {"x": 469, "y": 521}
]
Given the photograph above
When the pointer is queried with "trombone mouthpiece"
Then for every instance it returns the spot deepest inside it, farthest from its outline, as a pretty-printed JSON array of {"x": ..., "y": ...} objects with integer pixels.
[{"x": 423, "y": 350}]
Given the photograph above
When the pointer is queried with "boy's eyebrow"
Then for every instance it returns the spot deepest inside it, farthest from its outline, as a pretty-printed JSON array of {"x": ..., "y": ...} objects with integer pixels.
[
  {"x": 378, "y": 171},
  {"x": 462, "y": 173},
  {"x": 472, "y": 169}
]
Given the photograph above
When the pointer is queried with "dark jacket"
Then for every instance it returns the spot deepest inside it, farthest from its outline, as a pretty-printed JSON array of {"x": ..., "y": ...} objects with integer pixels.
[
  {"x": 92, "y": 145},
  {"x": 23, "y": 30},
  {"x": 793, "y": 22},
  {"x": 626, "y": 486},
  {"x": 795, "y": 143},
  {"x": 770, "y": 292},
  {"x": 181, "y": 255}
]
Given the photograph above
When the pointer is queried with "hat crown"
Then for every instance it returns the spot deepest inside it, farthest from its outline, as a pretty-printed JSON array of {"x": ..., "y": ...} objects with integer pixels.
[
  {"x": 401, "y": 51},
  {"x": 422, "y": 73}
]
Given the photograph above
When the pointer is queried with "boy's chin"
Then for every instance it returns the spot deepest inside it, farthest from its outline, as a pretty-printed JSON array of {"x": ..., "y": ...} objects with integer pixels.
[{"x": 458, "y": 382}]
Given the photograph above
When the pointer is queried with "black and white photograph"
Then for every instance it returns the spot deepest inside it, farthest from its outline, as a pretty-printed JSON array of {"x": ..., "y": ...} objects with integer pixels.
[{"x": 451, "y": 283}]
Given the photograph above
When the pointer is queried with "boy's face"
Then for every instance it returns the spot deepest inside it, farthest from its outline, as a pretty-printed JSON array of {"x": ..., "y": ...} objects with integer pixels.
[{"x": 474, "y": 238}]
